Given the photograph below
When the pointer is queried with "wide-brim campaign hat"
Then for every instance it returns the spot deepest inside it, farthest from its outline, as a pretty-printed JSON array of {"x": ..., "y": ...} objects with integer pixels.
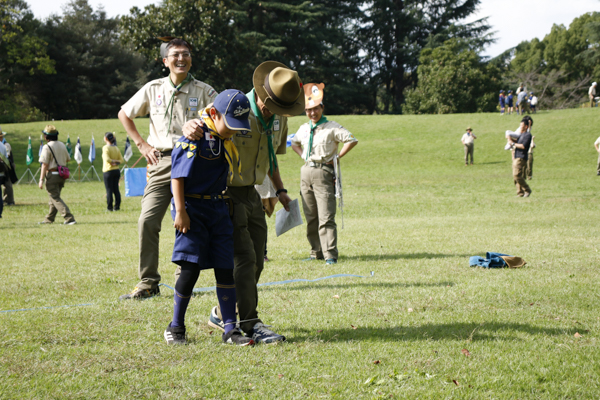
[
  {"x": 50, "y": 130},
  {"x": 279, "y": 88},
  {"x": 313, "y": 94}
]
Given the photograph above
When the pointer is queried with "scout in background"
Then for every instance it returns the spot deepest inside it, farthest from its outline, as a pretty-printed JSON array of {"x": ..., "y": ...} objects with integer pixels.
[
  {"x": 468, "y": 140},
  {"x": 317, "y": 142},
  {"x": 54, "y": 153},
  {"x": 201, "y": 215}
]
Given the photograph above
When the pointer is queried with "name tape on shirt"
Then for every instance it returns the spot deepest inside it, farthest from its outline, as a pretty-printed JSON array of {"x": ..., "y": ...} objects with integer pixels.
[
  {"x": 193, "y": 101},
  {"x": 276, "y": 125}
]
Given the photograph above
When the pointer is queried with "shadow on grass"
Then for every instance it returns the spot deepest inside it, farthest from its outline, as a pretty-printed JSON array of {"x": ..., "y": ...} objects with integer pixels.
[
  {"x": 358, "y": 284},
  {"x": 453, "y": 331},
  {"x": 409, "y": 256},
  {"x": 493, "y": 162}
]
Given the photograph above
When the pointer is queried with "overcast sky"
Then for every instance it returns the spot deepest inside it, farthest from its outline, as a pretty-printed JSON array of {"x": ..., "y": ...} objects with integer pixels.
[{"x": 512, "y": 20}]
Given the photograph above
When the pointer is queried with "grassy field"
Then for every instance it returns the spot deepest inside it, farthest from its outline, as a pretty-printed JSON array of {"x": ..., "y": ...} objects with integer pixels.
[{"x": 426, "y": 325}]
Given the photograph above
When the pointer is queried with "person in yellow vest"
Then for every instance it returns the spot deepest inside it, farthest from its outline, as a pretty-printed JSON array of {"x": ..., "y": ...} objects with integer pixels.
[
  {"x": 111, "y": 159},
  {"x": 54, "y": 153},
  {"x": 317, "y": 142}
]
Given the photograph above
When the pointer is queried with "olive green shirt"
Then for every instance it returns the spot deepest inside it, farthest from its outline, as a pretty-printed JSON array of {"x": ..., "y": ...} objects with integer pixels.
[{"x": 253, "y": 148}]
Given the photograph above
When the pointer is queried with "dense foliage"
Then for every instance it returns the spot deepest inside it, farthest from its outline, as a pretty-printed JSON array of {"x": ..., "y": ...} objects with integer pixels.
[{"x": 374, "y": 56}]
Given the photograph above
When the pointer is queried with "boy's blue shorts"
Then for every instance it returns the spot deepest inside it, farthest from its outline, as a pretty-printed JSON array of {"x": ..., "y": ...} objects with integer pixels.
[{"x": 209, "y": 242}]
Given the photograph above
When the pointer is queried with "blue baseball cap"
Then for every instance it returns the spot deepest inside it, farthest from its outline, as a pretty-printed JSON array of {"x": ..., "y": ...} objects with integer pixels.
[{"x": 234, "y": 106}]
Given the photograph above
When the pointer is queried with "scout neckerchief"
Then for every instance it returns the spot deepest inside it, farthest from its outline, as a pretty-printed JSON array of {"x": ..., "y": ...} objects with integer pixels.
[
  {"x": 230, "y": 149},
  {"x": 187, "y": 79},
  {"x": 312, "y": 132},
  {"x": 267, "y": 128}
]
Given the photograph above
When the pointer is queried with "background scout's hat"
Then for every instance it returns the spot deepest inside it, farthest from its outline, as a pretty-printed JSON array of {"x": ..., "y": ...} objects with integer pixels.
[
  {"x": 469, "y": 128},
  {"x": 50, "y": 130},
  {"x": 279, "y": 88},
  {"x": 234, "y": 106},
  {"x": 313, "y": 94}
]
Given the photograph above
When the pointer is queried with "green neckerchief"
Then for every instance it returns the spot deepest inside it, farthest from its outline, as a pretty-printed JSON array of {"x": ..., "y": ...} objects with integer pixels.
[
  {"x": 187, "y": 79},
  {"x": 267, "y": 127},
  {"x": 312, "y": 132}
]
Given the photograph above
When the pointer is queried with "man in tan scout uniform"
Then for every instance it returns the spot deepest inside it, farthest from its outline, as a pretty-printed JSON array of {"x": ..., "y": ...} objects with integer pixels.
[
  {"x": 317, "y": 142},
  {"x": 54, "y": 153},
  {"x": 170, "y": 101},
  {"x": 277, "y": 94}
]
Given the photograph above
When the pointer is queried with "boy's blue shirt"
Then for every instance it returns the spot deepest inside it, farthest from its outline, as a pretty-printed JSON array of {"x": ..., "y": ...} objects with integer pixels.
[{"x": 203, "y": 167}]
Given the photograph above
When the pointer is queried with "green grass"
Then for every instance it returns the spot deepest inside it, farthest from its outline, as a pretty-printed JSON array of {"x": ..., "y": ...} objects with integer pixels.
[{"x": 413, "y": 215}]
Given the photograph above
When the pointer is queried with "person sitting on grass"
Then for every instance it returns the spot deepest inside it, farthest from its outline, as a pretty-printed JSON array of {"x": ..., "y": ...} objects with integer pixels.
[{"x": 201, "y": 215}]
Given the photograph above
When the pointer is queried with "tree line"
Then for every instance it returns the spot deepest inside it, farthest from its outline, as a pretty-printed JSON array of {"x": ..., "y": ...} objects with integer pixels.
[{"x": 376, "y": 56}]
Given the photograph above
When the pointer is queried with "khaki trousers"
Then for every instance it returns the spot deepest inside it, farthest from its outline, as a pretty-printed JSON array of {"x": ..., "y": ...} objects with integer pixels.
[
  {"x": 317, "y": 189},
  {"x": 529, "y": 170},
  {"x": 469, "y": 147},
  {"x": 54, "y": 185},
  {"x": 249, "y": 241},
  {"x": 592, "y": 101},
  {"x": 8, "y": 197},
  {"x": 519, "y": 165},
  {"x": 598, "y": 166},
  {"x": 156, "y": 200}
]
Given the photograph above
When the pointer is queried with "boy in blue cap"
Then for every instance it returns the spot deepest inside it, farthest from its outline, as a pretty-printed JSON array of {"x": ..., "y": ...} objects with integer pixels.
[{"x": 204, "y": 231}]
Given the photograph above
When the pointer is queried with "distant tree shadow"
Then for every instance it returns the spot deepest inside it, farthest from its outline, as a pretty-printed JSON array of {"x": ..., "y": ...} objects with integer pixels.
[{"x": 457, "y": 330}]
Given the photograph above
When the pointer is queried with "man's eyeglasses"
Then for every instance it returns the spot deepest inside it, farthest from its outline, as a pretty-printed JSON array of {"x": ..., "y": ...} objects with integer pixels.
[{"x": 177, "y": 55}]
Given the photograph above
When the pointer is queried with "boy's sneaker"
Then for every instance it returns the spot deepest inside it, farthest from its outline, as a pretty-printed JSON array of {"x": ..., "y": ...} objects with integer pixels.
[
  {"x": 70, "y": 222},
  {"x": 236, "y": 337},
  {"x": 140, "y": 294},
  {"x": 175, "y": 335},
  {"x": 215, "y": 321},
  {"x": 262, "y": 334},
  {"x": 331, "y": 261}
]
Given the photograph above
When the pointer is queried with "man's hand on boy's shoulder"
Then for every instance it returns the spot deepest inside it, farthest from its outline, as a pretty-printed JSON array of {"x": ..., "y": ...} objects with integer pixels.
[{"x": 193, "y": 129}]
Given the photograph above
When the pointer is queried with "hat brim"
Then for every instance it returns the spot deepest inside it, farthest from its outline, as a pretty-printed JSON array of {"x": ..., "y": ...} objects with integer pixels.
[
  {"x": 258, "y": 80},
  {"x": 237, "y": 125}
]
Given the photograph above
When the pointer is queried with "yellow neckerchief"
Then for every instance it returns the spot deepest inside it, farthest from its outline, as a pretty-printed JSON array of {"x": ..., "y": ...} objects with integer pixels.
[{"x": 230, "y": 149}]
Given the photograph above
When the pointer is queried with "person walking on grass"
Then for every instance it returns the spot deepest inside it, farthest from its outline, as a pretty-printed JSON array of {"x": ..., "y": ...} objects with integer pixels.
[
  {"x": 8, "y": 198},
  {"x": 54, "y": 153},
  {"x": 520, "y": 156},
  {"x": 169, "y": 102},
  {"x": 200, "y": 172},
  {"x": 317, "y": 143},
  {"x": 468, "y": 141},
  {"x": 277, "y": 94},
  {"x": 111, "y": 159},
  {"x": 529, "y": 170},
  {"x": 592, "y": 94}
]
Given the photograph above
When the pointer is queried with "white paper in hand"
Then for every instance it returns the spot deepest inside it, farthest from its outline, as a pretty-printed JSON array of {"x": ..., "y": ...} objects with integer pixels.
[{"x": 284, "y": 220}]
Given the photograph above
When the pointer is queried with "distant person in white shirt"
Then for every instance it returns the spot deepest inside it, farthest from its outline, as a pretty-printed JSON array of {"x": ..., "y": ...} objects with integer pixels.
[
  {"x": 592, "y": 94},
  {"x": 533, "y": 101},
  {"x": 468, "y": 140}
]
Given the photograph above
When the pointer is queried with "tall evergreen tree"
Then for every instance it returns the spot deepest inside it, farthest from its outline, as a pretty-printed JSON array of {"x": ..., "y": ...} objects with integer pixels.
[
  {"x": 95, "y": 74},
  {"x": 23, "y": 58},
  {"x": 395, "y": 31}
]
